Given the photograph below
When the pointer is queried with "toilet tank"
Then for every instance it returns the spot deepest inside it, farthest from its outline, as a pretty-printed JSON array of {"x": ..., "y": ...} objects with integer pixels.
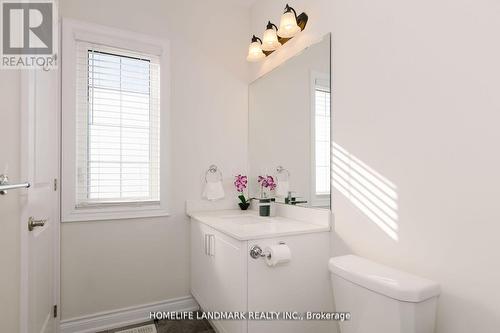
[{"x": 382, "y": 299}]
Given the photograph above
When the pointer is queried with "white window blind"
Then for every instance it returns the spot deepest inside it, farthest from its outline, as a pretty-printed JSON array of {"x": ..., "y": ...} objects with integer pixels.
[
  {"x": 118, "y": 126},
  {"x": 322, "y": 137}
]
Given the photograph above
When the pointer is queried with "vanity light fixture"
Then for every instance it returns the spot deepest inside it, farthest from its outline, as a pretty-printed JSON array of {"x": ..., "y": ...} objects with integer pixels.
[
  {"x": 290, "y": 23},
  {"x": 255, "y": 50},
  {"x": 274, "y": 37},
  {"x": 270, "y": 39}
]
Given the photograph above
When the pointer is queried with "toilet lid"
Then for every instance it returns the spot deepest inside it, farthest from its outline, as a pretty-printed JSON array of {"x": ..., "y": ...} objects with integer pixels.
[{"x": 382, "y": 279}]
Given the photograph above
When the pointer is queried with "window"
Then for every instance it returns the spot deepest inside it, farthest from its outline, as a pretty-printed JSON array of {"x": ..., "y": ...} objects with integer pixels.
[
  {"x": 321, "y": 139},
  {"x": 118, "y": 126},
  {"x": 114, "y": 123}
]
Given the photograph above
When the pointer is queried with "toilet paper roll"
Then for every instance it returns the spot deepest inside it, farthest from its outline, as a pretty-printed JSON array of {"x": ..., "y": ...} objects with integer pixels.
[{"x": 277, "y": 254}]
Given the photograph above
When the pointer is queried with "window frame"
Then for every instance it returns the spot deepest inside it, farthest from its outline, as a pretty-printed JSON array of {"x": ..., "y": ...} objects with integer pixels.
[
  {"x": 73, "y": 31},
  {"x": 321, "y": 200}
]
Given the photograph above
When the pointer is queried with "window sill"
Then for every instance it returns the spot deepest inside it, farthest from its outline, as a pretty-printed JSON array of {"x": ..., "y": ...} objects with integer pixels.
[{"x": 115, "y": 212}]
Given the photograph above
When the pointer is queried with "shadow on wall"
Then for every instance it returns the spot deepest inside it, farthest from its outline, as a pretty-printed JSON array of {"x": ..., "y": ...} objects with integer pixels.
[{"x": 370, "y": 192}]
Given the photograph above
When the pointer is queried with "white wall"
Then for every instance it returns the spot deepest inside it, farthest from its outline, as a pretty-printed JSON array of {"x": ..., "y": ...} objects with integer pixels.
[
  {"x": 9, "y": 204},
  {"x": 416, "y": 99},
  {"x": 113, "y": 264}
]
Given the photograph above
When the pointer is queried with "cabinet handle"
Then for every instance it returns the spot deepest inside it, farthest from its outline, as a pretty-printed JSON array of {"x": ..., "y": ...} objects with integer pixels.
[
  {"x": 206, "y": 244},
  {"x": 211, "y": 246}
]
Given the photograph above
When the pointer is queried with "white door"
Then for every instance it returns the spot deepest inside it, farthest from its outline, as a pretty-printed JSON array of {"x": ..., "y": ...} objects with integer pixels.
[{"x": 40, "y": 165}]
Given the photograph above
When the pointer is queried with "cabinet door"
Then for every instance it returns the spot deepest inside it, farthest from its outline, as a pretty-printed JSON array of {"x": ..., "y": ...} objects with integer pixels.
[
  {"x": 219, "y": 274},
  {"x": 229, "y": 279},
  {"x": 200, "y": 265}
]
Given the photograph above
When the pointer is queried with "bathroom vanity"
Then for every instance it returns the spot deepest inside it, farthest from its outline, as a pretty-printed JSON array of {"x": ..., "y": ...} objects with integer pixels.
[{"x": 224, "y": 276}]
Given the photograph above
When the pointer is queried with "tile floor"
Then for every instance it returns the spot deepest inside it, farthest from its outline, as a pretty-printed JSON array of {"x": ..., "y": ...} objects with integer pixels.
[{"x": 174, "y": 326}]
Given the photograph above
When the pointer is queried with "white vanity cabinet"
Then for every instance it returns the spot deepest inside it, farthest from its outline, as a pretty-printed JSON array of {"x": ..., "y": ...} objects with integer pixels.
[
  {"x": 224, "y": 277},
  {"x": 219, "y": 274}
]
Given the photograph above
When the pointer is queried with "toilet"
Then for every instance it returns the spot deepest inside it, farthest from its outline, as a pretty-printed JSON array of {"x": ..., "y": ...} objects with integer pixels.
[{"x": 381, "y": 299}]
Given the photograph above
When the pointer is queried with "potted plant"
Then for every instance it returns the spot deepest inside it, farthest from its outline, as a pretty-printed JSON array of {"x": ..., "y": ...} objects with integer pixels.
[{"x": 240, "y": 183}]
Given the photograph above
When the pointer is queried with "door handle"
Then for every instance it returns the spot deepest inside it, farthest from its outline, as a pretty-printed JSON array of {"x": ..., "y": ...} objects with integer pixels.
[
  {"x": 32, "y": 223},
  {"x": 4, "y": 185}
]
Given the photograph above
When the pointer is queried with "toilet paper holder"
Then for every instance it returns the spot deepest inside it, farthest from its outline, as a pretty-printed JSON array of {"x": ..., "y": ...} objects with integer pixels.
[{"x": 256, "y": 252}]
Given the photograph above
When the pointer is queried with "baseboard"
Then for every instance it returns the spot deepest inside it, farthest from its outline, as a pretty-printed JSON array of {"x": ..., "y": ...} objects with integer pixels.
[{"x": 123, "y": 317}]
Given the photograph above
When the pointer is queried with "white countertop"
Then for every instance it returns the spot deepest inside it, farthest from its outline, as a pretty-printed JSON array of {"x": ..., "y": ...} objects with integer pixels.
[{"x": 246, "y": 225}]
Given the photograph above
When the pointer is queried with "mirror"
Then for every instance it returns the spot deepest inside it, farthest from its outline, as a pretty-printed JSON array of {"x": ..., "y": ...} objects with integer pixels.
[{"x": 289, "y": 129}]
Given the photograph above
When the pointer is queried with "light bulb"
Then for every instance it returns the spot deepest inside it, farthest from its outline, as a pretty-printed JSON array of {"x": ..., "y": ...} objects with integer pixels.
[
  {"x": 288, "y": 25},
  {"x": 270, "y": 39},
  {"x": 255, "y": 51}
]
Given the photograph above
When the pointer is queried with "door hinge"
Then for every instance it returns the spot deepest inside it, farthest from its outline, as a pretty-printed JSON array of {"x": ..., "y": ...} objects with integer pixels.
[
  {"x": 55, "y": 184},
  {"x": 55, "y": 311}
]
